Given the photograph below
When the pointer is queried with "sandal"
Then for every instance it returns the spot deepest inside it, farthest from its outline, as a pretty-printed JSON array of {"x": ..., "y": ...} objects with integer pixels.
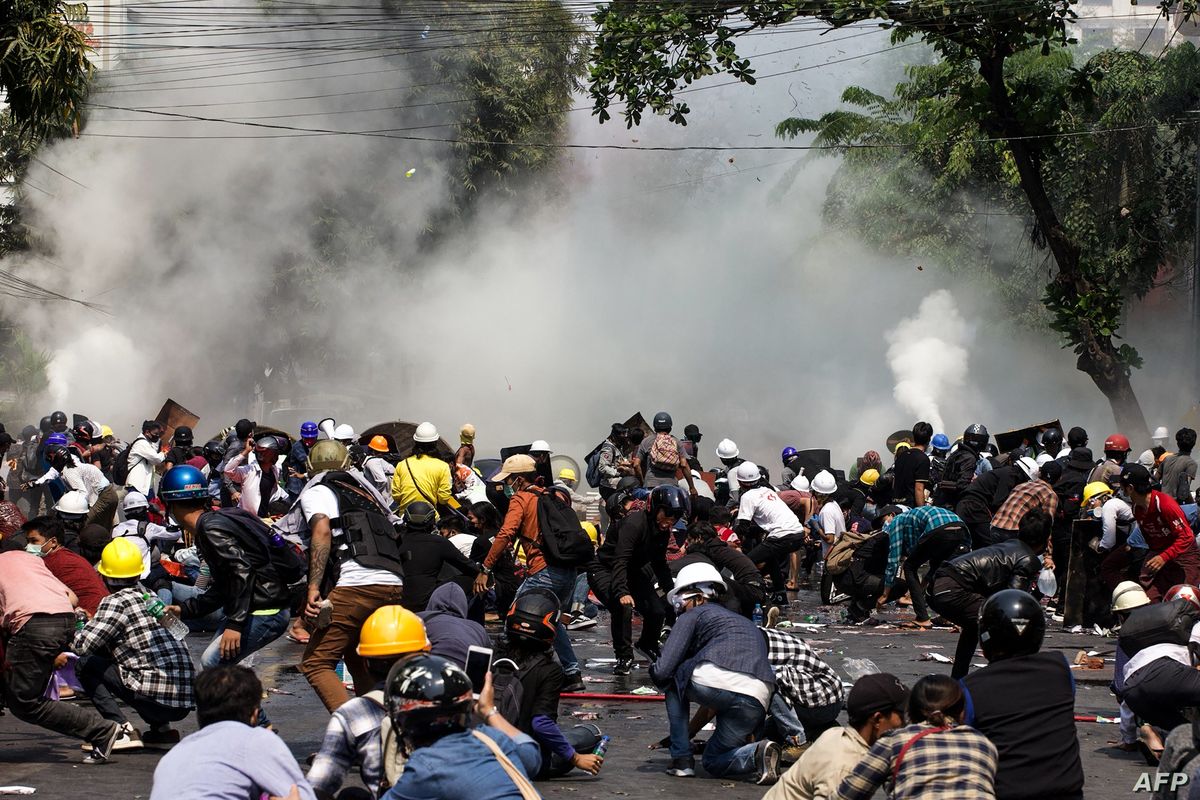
[{"x": 912, "y": 625}]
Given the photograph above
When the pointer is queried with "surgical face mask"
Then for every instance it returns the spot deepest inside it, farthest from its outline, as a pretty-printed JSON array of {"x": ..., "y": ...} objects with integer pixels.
[
  {"x": 34, "y": 549},
  {"x": 1097, "y": 512}
]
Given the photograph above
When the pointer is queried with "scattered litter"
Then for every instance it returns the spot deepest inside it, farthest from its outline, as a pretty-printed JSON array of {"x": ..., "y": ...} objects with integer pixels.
[
  {"x": 938, "y": 657},
  {"x": 410, "y": 173},
  {"x": 887, "y": 646},
  {"x": 634, "y": 718},
  {"x": 812, "y": 627},
  {"x": 596, "y": 679},
  {"x": 1075, "y": 629},
  {"x": 855, "y": 668},
  {"x": 1096, "y": 629},
  {"x": 585, "y": 715},
  {"x": 1093, "y": 652},
  {"x": 923, "y": 646},
  {"x": 784, "y": 624},
  {"x": 712, "y": 726},
  {"x": 979, "y": 666},
  {"x": 1084, "y": 661},
  {"x": 644, "y": 690},
  {"x": 17, "y": 790},
  {"x": 273, "y": 690}
]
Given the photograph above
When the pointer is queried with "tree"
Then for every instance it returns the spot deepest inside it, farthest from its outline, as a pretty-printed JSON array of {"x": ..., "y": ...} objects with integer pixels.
[
  {"x": 645, "y": 51},
  {"x": 44, "y": 67}
]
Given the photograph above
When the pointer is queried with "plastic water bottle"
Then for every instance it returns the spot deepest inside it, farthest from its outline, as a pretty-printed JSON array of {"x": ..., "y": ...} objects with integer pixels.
[
  {"x": 757, "y": 616},
  {"x": 602, "y": 747},
  {"x": 1047, "y": 583},
  {"x": 81, "y": 619},
  {"x": 158, "y": 609}
]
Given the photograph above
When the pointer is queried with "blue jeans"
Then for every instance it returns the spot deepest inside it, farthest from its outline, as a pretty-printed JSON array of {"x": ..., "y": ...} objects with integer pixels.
[
  {"x": 739, "y": 716},
  {"x": 802, "y": 724},
  {"x": 561, "y": 582},
  {"x": 258, "y": 633}
]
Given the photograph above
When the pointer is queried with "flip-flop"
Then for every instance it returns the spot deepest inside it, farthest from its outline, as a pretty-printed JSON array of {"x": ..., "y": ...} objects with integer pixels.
[
  {"x": 912, "y": 625},
  {"x": 294, "y": 638}
]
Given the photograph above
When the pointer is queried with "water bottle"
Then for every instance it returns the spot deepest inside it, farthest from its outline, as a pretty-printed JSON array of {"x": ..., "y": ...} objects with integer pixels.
[
  {"x": 757, "y": 616},
  {"x": 1047, "y": 583},
  {"x": 158, "y": 609},
  {"x": 602, "y": 747},
  {"x": 81, "y": 619},
  {"x": 154, "y": 607}
]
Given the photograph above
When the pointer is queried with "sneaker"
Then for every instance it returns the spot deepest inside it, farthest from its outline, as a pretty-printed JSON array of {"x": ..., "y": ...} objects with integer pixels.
[
  {"x": 652, "y": 654},
  {"x": 624, "y": 666},
  {"x": 581, "y": 623},
  {"x": 164, "y": 739},
  {"x": 102, "y": 748},
  {"x": 766, "y": 762},
  {"x": 573, "y": 683},
  {"x": 772, "y": 616},
  {"x": 682, "y": 768},
  {"x": 128, "y": 739}
]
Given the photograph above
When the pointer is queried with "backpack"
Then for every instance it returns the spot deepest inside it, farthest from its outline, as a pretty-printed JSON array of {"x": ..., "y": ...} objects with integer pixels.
[
  {"x": 564, "y": 541},
  {"x": 507, "y": 689},
  {"x": 841, "y": 554},
  {"x": 391, "y": 756},
  {"x": 593, "y": 466},
  {"x": 120, "y": 468},
  {"x": 1159, "y": 623},
  {"x": 664, "y": 453},
  {"x": 290, "y": 567}
]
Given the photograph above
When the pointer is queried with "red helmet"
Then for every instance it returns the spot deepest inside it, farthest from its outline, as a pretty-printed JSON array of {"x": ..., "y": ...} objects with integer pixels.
[
  {"x": 1183, "y": 591},
  {"x": 1116, "y": 444}
]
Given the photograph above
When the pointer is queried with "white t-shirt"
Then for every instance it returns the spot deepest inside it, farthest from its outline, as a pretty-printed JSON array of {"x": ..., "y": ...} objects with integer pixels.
[
  {"x": 320, "y": 499},
  {"x": 1114, "y": 512},
  {"x": 833, "y": 523},
  {"x": 1154, "y": 652},
  {"x": 763, "y": 507},
  {"x": 463, "y": 542},
  {"x": 155, "y": 533},
  {"x": 708, "y": 674}
]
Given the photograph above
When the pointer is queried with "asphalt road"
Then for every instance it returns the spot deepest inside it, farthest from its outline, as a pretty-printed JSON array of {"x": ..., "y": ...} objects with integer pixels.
[{"x": 33, "y": 757}]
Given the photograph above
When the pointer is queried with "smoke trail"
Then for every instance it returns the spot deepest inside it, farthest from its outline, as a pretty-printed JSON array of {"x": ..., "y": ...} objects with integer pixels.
[{"x": 927, "y": 354}]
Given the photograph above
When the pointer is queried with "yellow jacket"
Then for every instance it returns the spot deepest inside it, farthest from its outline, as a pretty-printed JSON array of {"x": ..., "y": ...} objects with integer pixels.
[{"x": 432, "y": 482}]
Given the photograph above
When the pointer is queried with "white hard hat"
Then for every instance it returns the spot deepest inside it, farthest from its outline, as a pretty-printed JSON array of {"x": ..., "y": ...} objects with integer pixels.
[
  {"x": 824, "y": 482},
  {"x": 699, "y": 575},
  {"x": 134, "y": 500},
  {"x": 1126, "y": 596},
  {"x": 343, "y": 433},
  {"x": 72, "y": 503},
  {"x": 1043, "y": 458},
  {"x": 800, "y": 483},
  {"x": 425, "y": 433},
  {"x": 1161, "y": 432},
  {"x": 747, "y": 472},
  {"x": 727, "y": 449},
  {"x": 1029, "y": 467},
  {"x": 540, "y": 446},
  {"x": 1146, "y": 459}
]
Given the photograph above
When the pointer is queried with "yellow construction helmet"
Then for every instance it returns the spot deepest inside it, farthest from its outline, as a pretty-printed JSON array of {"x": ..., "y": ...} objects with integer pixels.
[
  {"x": 1094, "y": 490},
  {"x": 392, "y": 631},
  {"x": 567, "y": 474},
  {"x": 590, "y": 530},
  {"x": 105, "y": 431},
  {"x": 120, "y": 558},
  {"x": 869, "y": 477}
]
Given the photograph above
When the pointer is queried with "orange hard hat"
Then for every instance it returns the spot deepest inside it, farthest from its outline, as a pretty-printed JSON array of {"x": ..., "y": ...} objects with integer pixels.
[{"x": 379, "y": 444}]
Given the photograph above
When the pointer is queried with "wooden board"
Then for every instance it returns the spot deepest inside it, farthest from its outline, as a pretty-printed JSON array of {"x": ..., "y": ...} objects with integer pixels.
[{"x": 172, "y": 415}]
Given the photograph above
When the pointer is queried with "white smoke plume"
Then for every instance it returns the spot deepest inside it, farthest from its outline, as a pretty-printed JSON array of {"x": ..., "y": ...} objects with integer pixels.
[{"x": 927, "y": 353}]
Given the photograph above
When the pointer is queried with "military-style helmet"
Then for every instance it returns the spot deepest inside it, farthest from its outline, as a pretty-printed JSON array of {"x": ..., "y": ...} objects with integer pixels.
[{"x": 326, "y": 455}]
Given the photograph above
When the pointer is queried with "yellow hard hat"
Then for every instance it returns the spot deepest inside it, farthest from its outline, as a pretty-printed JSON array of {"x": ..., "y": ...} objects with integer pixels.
[
  {"x": 590, "y": 530},
  {"x": 901, "y": 446},
  {"x": 105, "y": 431},
  {"x": 1094, "y": 490},
  {"x": 120, "y": 558},
  {"x": 567, "y": 474},
  {"x": 869, "y": 477},
  {"x": 392, "y": 631}
]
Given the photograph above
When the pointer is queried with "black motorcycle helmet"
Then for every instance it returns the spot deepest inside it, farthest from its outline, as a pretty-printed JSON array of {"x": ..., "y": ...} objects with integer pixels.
[
  {"x": 214, "y": 451},
  {"x": 58, "y": 421},
  {"x": 419, "y": 516},
  {"x": 85, "y": 432},
  {"x": 428, "y": 697},
  {"x": 183, "y": 436},
  {"x": 58, "y": 456},
  {"x": 670, "y": 500},
  {"x": 44, "y": 425},
  {"x": 662, "y": 422},
  {"x": 534, "y": 616},
  {"x": 1011, "y": 623},
  {"x": 976, "y": 436},
  {"x": 1052, "y": 441},
  {"x": 614, "y": 506}
]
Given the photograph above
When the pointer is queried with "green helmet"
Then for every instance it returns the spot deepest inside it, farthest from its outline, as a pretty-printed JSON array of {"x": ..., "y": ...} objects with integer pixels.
[{"x": 327, "y": 454}]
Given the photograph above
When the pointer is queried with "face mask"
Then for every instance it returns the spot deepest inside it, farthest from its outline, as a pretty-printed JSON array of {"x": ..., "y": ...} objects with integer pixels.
[
  {"x": 509, "y": 491},
  {"x": 1097, "y": 512},
  {"x": 34, "y": 549}
]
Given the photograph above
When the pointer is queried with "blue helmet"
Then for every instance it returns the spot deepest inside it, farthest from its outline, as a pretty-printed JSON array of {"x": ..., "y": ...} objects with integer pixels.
[
  {"x": 941, "y": 442},
  {"x": 308, "y": 430},
  {"x": 184, "y": 482},
  {"x": 57, "y": 438},
  {"x": 787, "y": 453}
]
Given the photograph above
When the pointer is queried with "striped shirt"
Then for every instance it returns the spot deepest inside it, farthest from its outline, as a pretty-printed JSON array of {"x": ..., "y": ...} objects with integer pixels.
[
  {"x": 905, "y": 530},
  {"x": 954, "y": 764}
]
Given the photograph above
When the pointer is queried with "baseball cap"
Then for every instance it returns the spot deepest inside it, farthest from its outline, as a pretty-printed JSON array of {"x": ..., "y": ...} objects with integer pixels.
[
  {"x": 880, "y": 691},
  {"x": 515, "y": 465},
  {"x": 1137, "y": 476}
]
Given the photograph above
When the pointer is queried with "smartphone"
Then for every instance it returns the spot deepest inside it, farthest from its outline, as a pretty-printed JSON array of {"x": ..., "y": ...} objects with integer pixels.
[{"x": 479, "y": 664}]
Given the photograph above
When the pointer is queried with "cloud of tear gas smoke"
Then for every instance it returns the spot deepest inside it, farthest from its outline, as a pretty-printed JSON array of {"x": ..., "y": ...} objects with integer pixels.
[
  {"x": 927, "y": 353},
  {"x": 676, "y": 281}
]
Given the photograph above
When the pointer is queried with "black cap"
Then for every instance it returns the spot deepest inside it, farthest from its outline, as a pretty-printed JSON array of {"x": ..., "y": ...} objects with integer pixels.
[
  {"x": 691, "y": 431},
  {"x": 1137, "y": 476},
  {"x": 1077, "y": 437},
  {"x": 1080, "y": 458},
  {"x": 880, "y": 691}
]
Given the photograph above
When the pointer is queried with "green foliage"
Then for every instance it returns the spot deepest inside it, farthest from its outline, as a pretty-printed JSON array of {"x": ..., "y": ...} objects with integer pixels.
[
  {"x": 22, "y": 372},
  {"x": 44, "y": 64}
]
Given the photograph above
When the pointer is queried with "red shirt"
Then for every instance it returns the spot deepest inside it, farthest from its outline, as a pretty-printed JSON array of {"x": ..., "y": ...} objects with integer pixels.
[
  {"x": 79, "y": 576},
  {"x": 1164, "y": 526}
]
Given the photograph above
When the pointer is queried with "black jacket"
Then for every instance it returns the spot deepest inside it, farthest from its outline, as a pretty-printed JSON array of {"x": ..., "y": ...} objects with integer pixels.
[
  {"x": 724, "y": 557},
  {"x": 956, "y": 476},
  {"x": 1008, "y": 565},
  {"x": 638, "y": 545},
  {"x": 243, "y": 577},
  {"x": 989, "y": 491}
]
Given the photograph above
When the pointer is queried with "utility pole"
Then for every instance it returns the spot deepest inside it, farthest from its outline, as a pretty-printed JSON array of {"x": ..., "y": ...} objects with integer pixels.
[{"x": 1196, "y": 275}]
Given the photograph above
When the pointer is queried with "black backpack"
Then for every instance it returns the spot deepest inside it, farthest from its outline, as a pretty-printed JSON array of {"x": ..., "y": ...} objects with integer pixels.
[
  {"x": 120, "y": 468},
  {"x": 1158, "y": 623},
  {"x": 592, "y": 475},
  {"x": 271, "y": 548},
  {"x": 564, "y": 541},
  {"x": 507, "y": 689}
]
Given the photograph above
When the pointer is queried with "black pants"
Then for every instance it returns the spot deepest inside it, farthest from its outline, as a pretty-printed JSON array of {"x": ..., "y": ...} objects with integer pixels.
[
  {"x": 652, "y": 608},
  {"x": 1159, "y": 691},
  {"x": 961, "y": 606},
  {"x": 772, "y": 556},
  {"x": 933, "y": 548},
  {"x": 864, "y": 589},
  {"x": 741, "y": 598},
  {"x": 30, "y": 653},
  {"x": 582, "y": 738},
  {"x": 102, "y": 682},
  {"x": 978, "y": 517}
]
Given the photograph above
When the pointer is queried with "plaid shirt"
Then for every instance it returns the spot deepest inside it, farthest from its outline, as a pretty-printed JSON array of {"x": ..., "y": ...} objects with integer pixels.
[
  {"x": 956, "y": 764},
  {"x": 1024, "y": 498},
  {"x": 905, "y": 530},
  {"x": 150, "y": 661},
  {"x": 800, "y": 674},
  {"x": 353, "y": 734}
]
